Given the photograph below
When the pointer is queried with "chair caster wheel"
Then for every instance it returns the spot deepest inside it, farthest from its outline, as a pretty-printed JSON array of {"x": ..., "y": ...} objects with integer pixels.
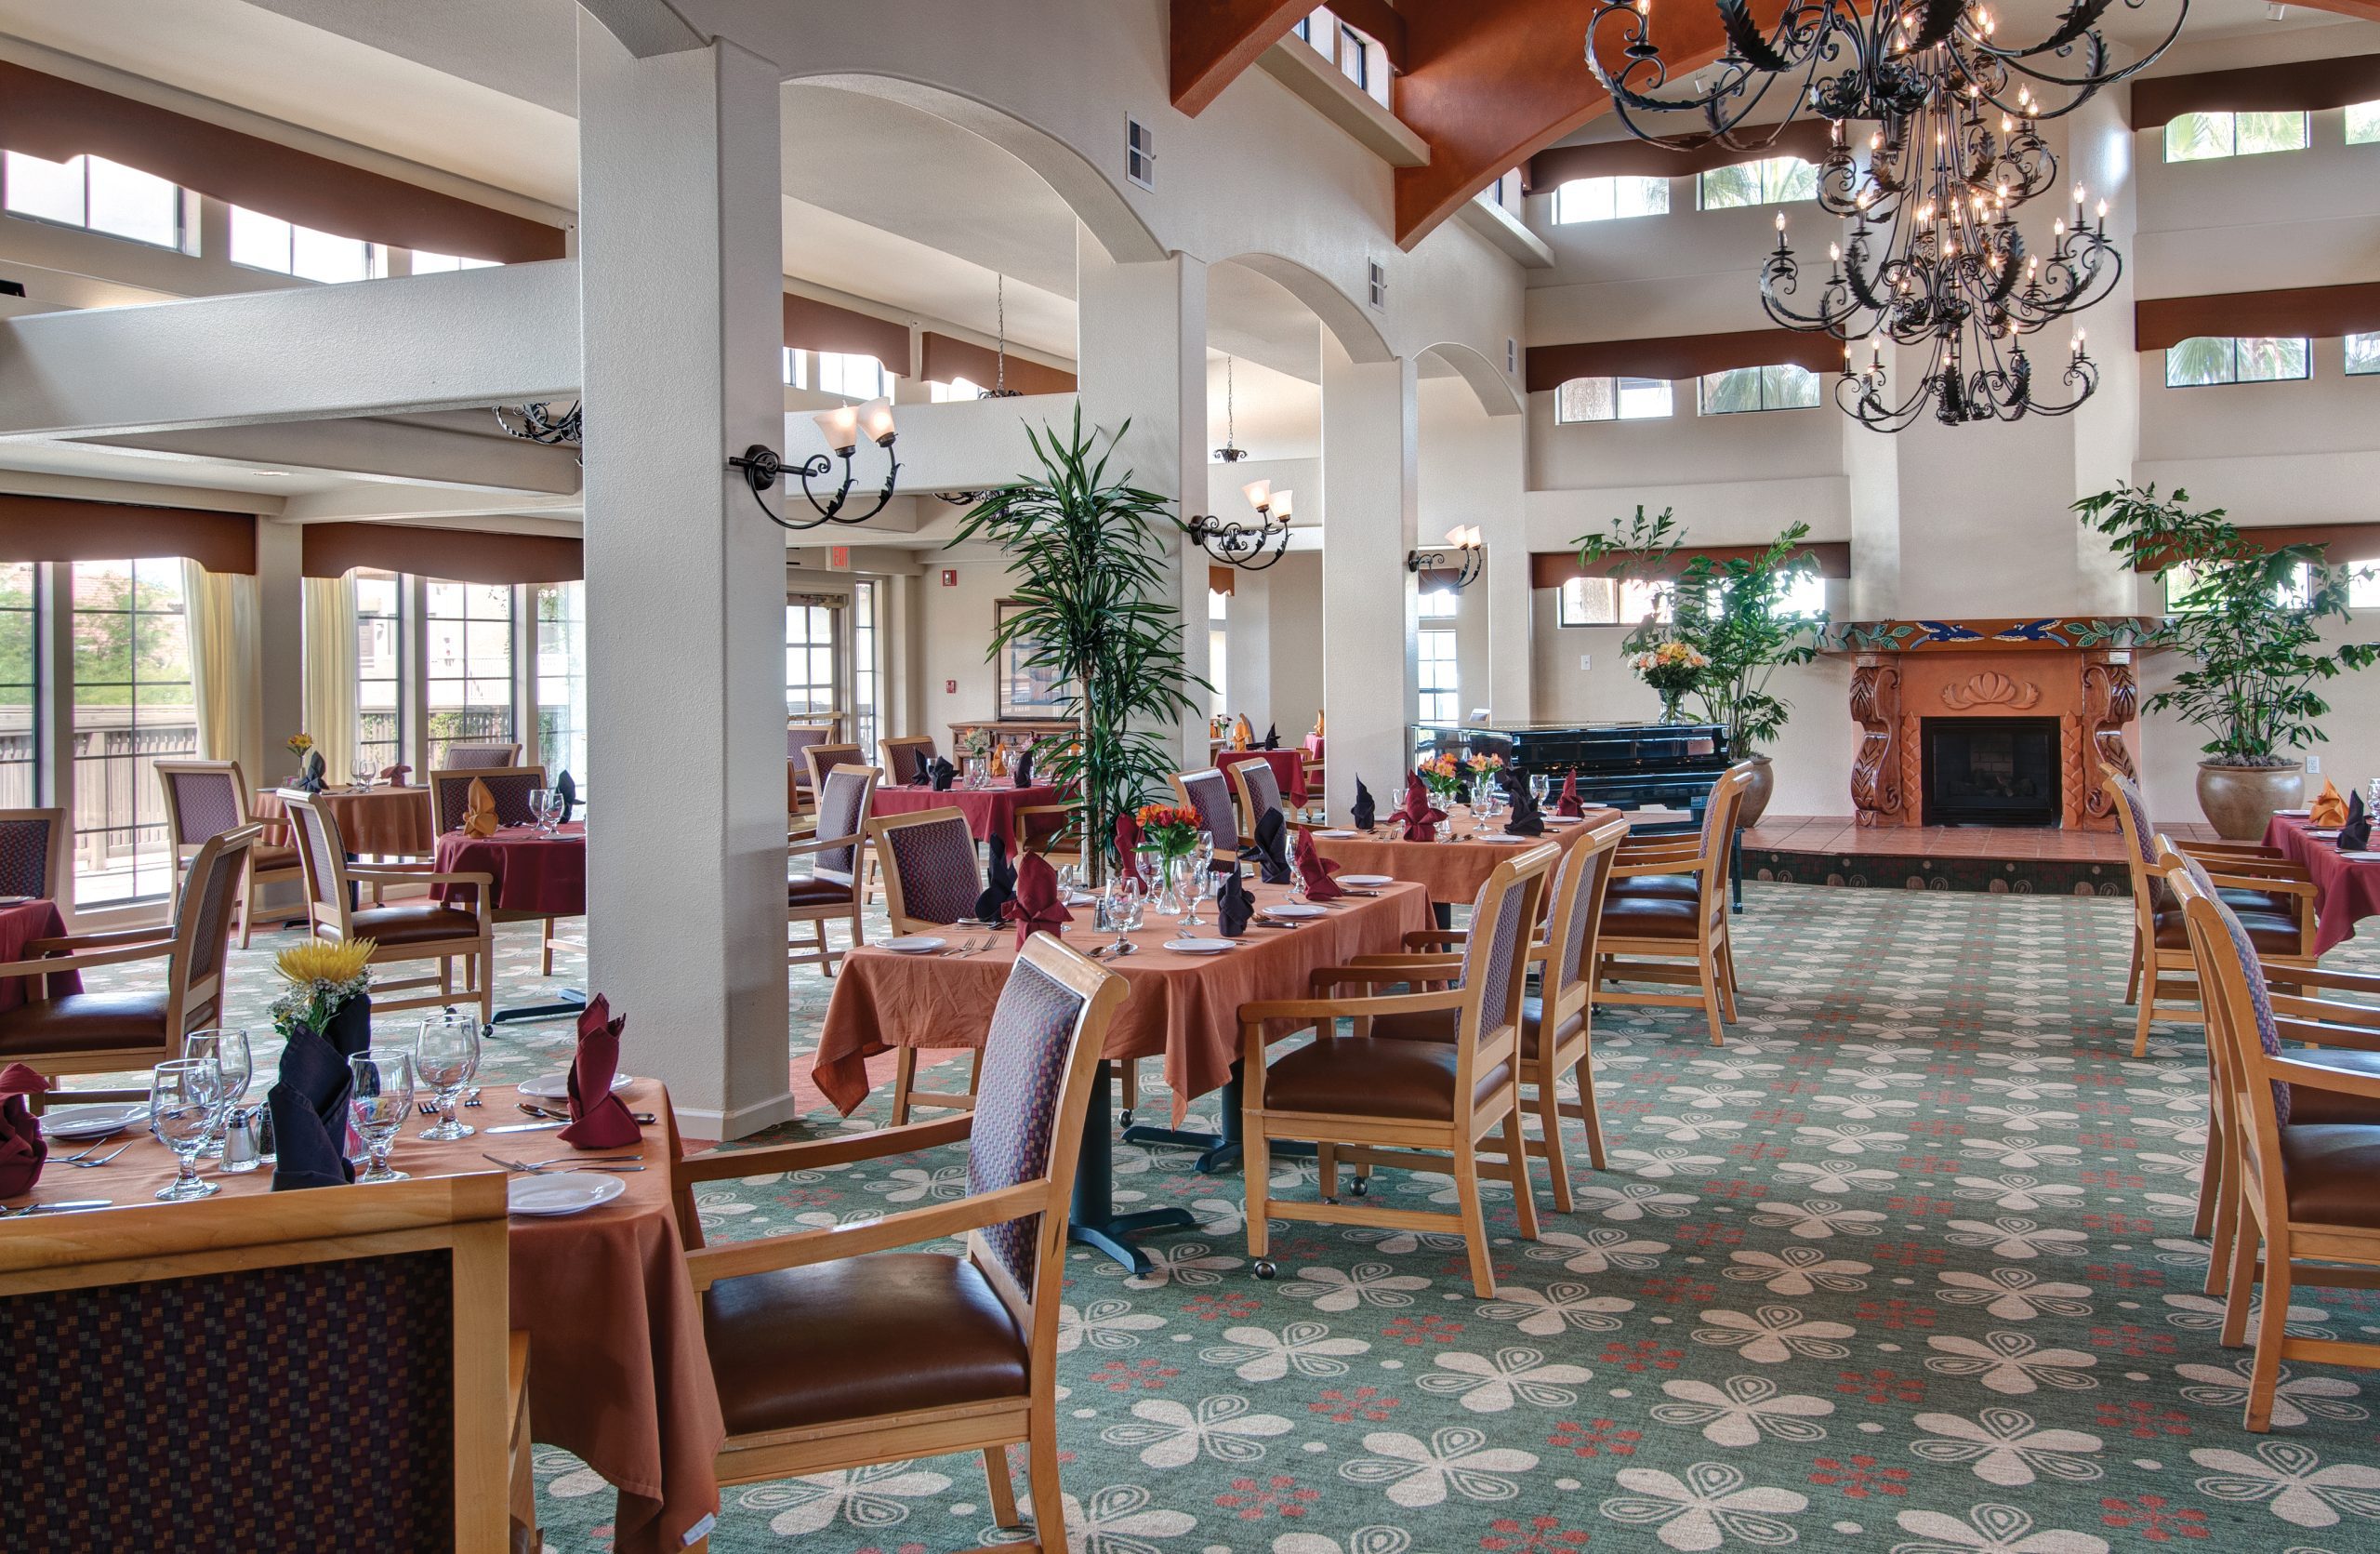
[
  {"x": 1124, "y": 1119},
  {"x": 1264, "y": 1269},
  {"x": 1363, "y": 1186}
]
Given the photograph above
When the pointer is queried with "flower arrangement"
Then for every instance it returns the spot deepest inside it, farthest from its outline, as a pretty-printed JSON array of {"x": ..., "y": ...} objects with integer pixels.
[
  {"x": 1483, "y": 766},
  {"x": 1442, "y": 774},
  {"x": 1671, "y": 668},
  {"x": 323, "y": 978},
  {"x": 1173, "y": 830},
  {"x": 298, "y": 744}
]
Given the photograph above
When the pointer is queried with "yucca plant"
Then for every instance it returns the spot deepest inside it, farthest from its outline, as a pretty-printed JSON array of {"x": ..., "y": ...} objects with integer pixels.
[{"x": 1088, "y": 553}]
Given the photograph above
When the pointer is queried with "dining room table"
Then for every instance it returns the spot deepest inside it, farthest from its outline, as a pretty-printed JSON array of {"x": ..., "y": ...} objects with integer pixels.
[
  {"x": 618, "y": 1372},
  {"x": 1181, "y": 1006},
  {"x": 383, "y": 822},
  {"x": 1289, "y": 769},
  {"x": 2347, "y": 885},
  {"x": 991, "y": 810},
  {"x": 1453, "y": 866},
  {"x": 22, "y": 923},
  {"x": 536, "y": 875}
]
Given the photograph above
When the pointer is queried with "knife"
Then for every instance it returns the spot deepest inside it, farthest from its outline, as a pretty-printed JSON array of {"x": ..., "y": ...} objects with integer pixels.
[
  {"x": 525, "y": 1127},
  {"x": 63, "y": 1207}
]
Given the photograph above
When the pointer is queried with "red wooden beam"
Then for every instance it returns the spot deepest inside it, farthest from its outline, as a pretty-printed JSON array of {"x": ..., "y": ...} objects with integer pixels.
[
  {"x": 1379, "y": 19},
  {"x": 1214, "y": 40}
]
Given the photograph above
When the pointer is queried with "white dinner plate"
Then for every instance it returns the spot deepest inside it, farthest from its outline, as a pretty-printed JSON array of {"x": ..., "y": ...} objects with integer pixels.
[
  {"x": 913, "y": 944},
  {"x": 1198, "y": 947},
  {"x": 556, "y": 1087},
  {"x": 1337, "y": 835},
  {"x": 2332, "y": 831},
  {"x": 1507, "y": 836},
  {"x": 1291, "y": 911},
  {"x": 1565, "y": 820},
  {"x": 2292, "y": 812},
  {"x": 1367, "y": 881},
  {"x": 559, "y": 1192},
  {"x": 2364, "y": 857},
  {"x": 92, "y": 1122}
]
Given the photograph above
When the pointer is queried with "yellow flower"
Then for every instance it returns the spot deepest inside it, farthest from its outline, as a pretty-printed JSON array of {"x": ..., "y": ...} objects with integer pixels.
[
  {"x": 302, "y": 743},
  {"x": 321, "y": 961}
]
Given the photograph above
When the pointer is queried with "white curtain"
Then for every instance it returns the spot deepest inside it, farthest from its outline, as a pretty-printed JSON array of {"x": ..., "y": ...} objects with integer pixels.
[
  {"x": 224, "y": 665},
  {"x": 330, "y": 672}
]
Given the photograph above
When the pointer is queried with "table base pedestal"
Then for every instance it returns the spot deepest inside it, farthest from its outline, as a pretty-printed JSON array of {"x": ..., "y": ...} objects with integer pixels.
[
  {"x": 1093, "y": 1221},
  {"x": 569, "y": 1000},
  {"x": 1217, "y": 1151}
]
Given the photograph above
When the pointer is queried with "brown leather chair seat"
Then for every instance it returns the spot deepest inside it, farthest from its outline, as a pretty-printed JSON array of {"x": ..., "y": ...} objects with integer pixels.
[
  {"x": 1366, "y": 1076},
  {"x": 858, "y": 1338},
  {"x": 809, "y": 891},
  {"x": 2330, "y": 1169},
  {"x": 1644, "y": 917},
  {"x": 1438, "y": 1025},
  {"x": 84, "y": 1022},
  {"x": 2312, "y": 1106},
  {"x": 272, "y": 857},
  {"x": 2272, "y": 933},
  {"x": 414, "y": 922},
  {"x": 1658, "y": 887}
]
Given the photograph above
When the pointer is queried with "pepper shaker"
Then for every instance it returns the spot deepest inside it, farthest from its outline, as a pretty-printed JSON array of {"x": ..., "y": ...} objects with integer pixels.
[{"x": 243, "y": 1148}]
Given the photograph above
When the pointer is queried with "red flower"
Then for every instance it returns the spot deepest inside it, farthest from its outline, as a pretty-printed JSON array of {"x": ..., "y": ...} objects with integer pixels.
[
  {"x": 1860, "y": 1477},
  {"x": 2143, "y": 1420},
  {"x": 1642, "y": 1354},
  {"x": 1251, "y": 1499},
  {"x": 1897, "y": 1315},
  {"x": 1681, "y": 1289},
  {"x": 1599, "y": 1438},
  {"x": 2130, "y": 1338},
  {"x": 1344, "y": 1406},
  {"x": 1880, "y": 1385},
  {"x": 1511, "y": 1536},
  {"x": 1210, "y": 1308},
  {"x": 1137, "y": 1375},
  {"x": 2154, "y": 1517},
  {"x": 1410, "y": 1330}
]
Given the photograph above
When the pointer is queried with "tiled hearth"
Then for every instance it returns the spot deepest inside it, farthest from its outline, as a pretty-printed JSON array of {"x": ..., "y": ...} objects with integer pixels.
[{"x": 1835, "y": 849}]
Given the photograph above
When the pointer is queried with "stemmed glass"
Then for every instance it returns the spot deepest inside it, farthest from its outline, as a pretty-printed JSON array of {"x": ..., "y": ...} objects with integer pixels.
[
  {"x": 544, "y": 806},
  {"x": 378, "y": 1104},
  {"x": 185, "y": 1099},
  {"x": 1158, "y": 869},
  {"x": 228, "y": 1050},
  {"x": 1124, "y": 898},
  {"x": 361, "y": 775},
  {"x": 1540, "y": 787},
  {"x": 446, "y": 1056},
  {"x": 1201, "y": 857}
]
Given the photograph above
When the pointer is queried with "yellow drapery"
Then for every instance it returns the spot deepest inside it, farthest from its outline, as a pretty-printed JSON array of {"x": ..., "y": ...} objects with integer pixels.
[
  {"x": 222, "y": 611},
  {"x": 330, "y": 674}
]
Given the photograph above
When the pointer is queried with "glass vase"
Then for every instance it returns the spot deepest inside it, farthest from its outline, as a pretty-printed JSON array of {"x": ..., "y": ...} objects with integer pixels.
[{"x": 1671, "y": 712}]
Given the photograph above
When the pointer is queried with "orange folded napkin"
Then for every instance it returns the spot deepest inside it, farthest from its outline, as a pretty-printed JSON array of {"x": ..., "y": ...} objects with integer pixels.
[
  {"x": 479, "y": 811},
  {"x": 1318, "y": 725},
  {"x": 22, "y": 1146},
  {"x": 2329, "y": 810},
  {"x": 1037, "y": 907},
  {"x": 603, "y": 1122},
  {"x": 1241, "y": 735}
]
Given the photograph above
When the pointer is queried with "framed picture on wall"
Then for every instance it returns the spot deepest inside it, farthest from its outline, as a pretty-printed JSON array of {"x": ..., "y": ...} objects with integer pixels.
[{"x": 1026, "y": 690}]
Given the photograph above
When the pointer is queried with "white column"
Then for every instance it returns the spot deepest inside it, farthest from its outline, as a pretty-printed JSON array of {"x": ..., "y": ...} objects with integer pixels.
[
  {"x": 1141, "y": 355},
  {"x": 2107, "y": 430},
  {"x": 679, "y": 256},
  {"x": 1370, "y": 434},
  {"x": 281, "y": 646}
]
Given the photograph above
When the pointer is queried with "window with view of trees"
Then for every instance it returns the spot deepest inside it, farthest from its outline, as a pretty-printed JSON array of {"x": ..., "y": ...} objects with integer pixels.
[
  {"x": 96, "y": 195},
  {"x": 560, "y": 610},
  {"x": 1784, "y": 387},
  {"x": 19, "y": 681},
  {"x": 2208, "y": 360},
  {"x": 1611, "y": 399},
  {"x": 2206, "y": 137},
  {"x": 1610, "y": 199},
  {"x": 2362, "y": 354},
  {"x": 468, "y": 668},
  {"x": 132, "y": 708},
  {"x": 2362, "y": 124},
  {"x": 1774, "y": 180},
  {"x": 1441, "y": 681}
]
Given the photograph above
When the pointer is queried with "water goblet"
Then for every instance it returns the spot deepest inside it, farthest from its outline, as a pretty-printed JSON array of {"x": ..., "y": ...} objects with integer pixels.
[
  {"x": 537, "y": 797},
  {"x": 378, "y": 1102},
  {"x": 1124, "y": 898},
  {"x": 228, "y": 1050},
  {"x": 446, "y": 1057},
  {"x": 185, "y": 1097},
  {"x": 1193, "y": 891},
  {"x": 1540, "y": 787}
]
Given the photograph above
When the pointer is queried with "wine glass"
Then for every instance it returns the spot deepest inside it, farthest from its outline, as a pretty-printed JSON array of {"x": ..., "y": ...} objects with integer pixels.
[
  {"x": 378, "y": 1103},
  {"x": 1202, "y": 858},
  {"x": 541, "y": 805},
  {"x": 185, "y": 1097},
  {"x": 1124, "y": 900},
  {"x": 446, "y": 1056},
  {"x": 1540, "y": 787},
  {"x": 228, "y": 1050},
  {"x": 361, "y": 775}
]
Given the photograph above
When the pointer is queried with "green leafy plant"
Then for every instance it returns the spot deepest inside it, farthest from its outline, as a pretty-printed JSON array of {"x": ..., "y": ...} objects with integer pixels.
[
  {"x": 1088, "y": 553},
  {"x": 2250, "y": 621}
]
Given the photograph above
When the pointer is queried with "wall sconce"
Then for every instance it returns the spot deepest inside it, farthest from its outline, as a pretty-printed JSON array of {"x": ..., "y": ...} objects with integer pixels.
[
  {"x": 1244, "y": 545},
  {"x": 843, "y": 426},
  {"x": 1467, "y": 552}
]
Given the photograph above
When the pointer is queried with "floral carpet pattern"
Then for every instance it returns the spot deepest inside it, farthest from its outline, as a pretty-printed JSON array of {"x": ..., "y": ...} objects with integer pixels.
[{"x": 1904, "y": 1267}]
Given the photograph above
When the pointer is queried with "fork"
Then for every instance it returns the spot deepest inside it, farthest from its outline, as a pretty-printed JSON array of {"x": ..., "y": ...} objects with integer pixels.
[
  {"x": 537, "y": 1168},
  {"x": 551, "y": 1115},
  {"x": 79, "y": 1162},
  {"x": 88, "y": 1151}
]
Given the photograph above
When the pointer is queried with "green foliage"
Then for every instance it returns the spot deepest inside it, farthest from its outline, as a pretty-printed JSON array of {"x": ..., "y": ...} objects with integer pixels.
[
  {"x": 1089, "y": 554},
  {"x": 2253, "y": 629}
]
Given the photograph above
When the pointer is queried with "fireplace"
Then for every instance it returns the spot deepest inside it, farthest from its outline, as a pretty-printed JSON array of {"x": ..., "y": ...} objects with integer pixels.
[{"x": 1990, "y": 772}]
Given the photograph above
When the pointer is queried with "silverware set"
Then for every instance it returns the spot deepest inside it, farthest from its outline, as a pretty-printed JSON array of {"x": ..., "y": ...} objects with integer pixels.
[
  {"x": 550, "y": 1114},
  {"x": 592, "y": 1162},
  {"x": 30, "y": 1209},
  {"x": 975, "y": 945},
  {"x": 83, "y": 1160}
]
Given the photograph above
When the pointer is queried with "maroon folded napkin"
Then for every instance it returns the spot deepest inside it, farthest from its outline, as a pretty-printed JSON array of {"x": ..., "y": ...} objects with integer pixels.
[
  {"x": 1037, "y": 907},
  {"x": 1316, "y": 872},
  {"x": 604, "y": 1122},
  {"x": 1417, "y": 814},
  {"x": 1567, "y": 804},
  {"x": 23, "y": 1148},
  {"x": 395, "y": 776},
  {"x": 1128, "y": 846}
]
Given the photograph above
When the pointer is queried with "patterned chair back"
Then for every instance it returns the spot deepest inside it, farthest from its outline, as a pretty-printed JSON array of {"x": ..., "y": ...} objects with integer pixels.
[
  {"x": 1208, "y": 792},
  {"x": 450, "y": 793},
  {"x": 202, "y": 925},
  {"x": 2231, "y": 964},
  {"x": 359, "y": 1433},
  {"x": 322, "y": 860},
  {"x": 900, "y": 755},
  {"x": 482, "y": 755},
  {"x": 2131, "y": 819},
  {"x": 931, "y": 874},
  {"x": 843, "y": 811},
  {"x": 1495, "y": 957},
  {"x": 203, "y": 799},
  {"x": 1717, "y": 844},
  {"x": 32, "y": 841},
  {"x": 1577, "y": 896},
  {"x": 1258, "y": 790},
  {"x": 817, "y": 761},
  {"x": 799, "y": 737}
]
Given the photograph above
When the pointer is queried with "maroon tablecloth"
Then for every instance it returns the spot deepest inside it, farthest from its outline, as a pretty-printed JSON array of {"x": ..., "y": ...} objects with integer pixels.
[
  {"x": 2345, "y": 888},
  {"x": 537, "y": 875},
  {"x": 1289, "y": 768},
  {"x": 19, "y": 925},
  {"x": 990, "y": 811}
]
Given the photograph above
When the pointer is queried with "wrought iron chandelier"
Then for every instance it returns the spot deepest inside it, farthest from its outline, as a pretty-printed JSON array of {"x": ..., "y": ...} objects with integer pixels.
[
  {"x": 1462, "y": 555},
  {"x": 1231, "y": 452},
  {"x": 999, "y": 389},
  {"x": 1933, "y": 256},
  {"x": 1249, "y": 547},
  {"x": 539, "y": 423}
]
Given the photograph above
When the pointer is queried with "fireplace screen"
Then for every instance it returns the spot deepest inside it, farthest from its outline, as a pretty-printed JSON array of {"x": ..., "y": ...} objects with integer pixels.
[{"x": 1992, "y": 772}]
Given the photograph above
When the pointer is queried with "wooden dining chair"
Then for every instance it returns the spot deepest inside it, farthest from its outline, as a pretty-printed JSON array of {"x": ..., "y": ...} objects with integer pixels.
[
  {"x": 410, "y": 930},
  {"x": 348, "y": 1353},
  {"x": 900, "y": 755},
  {"x": 33, "y": 845},
  {"x": 122, "y": 1030},
  {"x": 831, "y": 889},
  {"x": 833, "y": 1350},
  {"x": 805, "y": 773},
  {"x": 207, "y": 798},
  {"x": 1665, "y": 915},
  {"x": 1053, "y": 832},
  {"x": 1367, "y": 1100},
  {"x": 1259, "y": 793},
  {"x": 482, "y": 755},
  {"x": 2304, "y": 1208},
  {"x": 931, "y": 880},
  {"x": 1207, "y": 794},
  {"x": 2273, "y": 897},
  {"x": 450, "y": 795}
]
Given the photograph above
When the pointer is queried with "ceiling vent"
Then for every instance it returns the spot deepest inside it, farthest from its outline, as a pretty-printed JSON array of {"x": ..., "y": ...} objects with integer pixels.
[
  {"x": 1140, "y": 153},
  {"x": 1376, "y": 283},
  {"x": 1512, "y": 357}
]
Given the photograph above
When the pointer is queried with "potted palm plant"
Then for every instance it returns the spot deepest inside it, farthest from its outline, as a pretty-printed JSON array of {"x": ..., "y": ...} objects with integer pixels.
[
  {"x": 1087, "y": 552},
  {"x": 2250, "y": 621}
]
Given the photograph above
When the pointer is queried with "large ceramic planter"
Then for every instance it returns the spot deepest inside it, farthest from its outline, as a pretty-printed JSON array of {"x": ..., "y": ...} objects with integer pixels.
[
  {"x": 1759, "y": 791},
  {"x": 2240, "y": 800}
]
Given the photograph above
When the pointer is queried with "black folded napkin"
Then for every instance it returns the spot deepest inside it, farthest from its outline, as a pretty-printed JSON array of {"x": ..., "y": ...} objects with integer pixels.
[
  {"x": 1272, "y": 849},
  {"x": 568, "y": 788},
  {"x": 309, "y": 772},
  {"x": 1510, "y": 781},
  {"x": 1023, "y": 770},
  {"x": 924, "y": 773},
  {"x": 943, "y": 774},
  {"x": 1366, "y": 810},
  {"x": 1525, "y": 819},
  {"x": 309, "y": 1108},
  {"x": 1272, "y": 736},
  {"x": 1233, "y": 908},
  {"x": 1002, "y": 890},
  {"x": 2356, "y": 835}
]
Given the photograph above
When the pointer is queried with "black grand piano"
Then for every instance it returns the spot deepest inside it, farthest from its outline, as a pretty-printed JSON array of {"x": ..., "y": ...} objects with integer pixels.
[{"x": 1626, "y": 766}]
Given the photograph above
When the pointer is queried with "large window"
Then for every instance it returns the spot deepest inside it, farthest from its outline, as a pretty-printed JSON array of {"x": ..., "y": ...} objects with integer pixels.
[
  {"x": 1610, "y": 199},
  {"x": 2211, "y": 359},
  {"x": 867, "y": 663},
  {"x": 2362, "y": 124},
  {"x": 957, "y": 390},
  {"x": 2362, "y": 354},
  {"x": 264, "y": 242},
  {"x": 1612, "y": 602},
  {"x": 809, "y": 657},
  {"x": 854, "y": 376},
  {"x": 132, "y": 706},
  {"x": 380, "y": 669},
  {"x": 1772, "y": 181},
  {"x": 427, "y": 263},
  {"x": 561, "y": 614},
  {"x": 92, "y": 192},
  {"x": 20, "y": 679},
  {"x": 2204, "y": 137},
  {"x": 1785, "y": 387},
  {"x": 1441, "y": 685},
  {"x": 1611, "y": 399},
  {"x": 468, "y": 672}
]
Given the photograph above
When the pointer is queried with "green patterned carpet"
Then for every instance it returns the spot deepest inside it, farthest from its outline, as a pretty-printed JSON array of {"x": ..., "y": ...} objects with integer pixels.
[{"x": 1904, "y": 1267}]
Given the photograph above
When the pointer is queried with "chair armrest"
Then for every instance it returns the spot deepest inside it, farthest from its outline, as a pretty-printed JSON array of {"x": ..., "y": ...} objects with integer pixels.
[
  {"x": 820, "y": 845},
  {"x": 2322, "y": 1034},
  {"x": 1420, "y": 939},
  {"x": 1398, "y": 963},
  {"x": 2271, "y": 885},
  {"x": 408, "y": 869},
  {"x": 72, "y": 942},
  {"x": 2316, "y": 977},
  {"x": 717, "y": 1164},
  {"x": 392, "y": 877},
  {"x": 2220, "y": 849},
  {"x": 1351, "y": 1008},
  {"x": 154, "y": 950},
  {"x": 1667, "y": 867},
  {"x": 803, "y": 1248},
  {"x": 2320, "y": 1076}
]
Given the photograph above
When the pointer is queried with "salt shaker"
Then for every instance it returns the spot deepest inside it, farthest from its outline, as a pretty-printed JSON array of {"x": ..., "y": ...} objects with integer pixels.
[{"x": 243, "y": 1140}]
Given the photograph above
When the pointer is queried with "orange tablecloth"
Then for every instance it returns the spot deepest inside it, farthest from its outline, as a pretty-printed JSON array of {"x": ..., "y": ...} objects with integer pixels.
[
  {"x": 618, "y": 1372},
  {"x": 19, "y": 925},
  {"x": 1452, "y": 870},
  {"x": 376, "y": 822},
  {"x": 1184, "y": 1007}
]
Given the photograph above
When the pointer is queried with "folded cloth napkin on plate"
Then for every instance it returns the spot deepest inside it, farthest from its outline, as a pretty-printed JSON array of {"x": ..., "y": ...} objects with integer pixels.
[
  {"x": 1525, "y": 819},
  {"x": 479, "y": 811},
  {"x": 1569, "y": 804},
  {"x": 308, "y": 1109},
  {"x": 395, "y": 776},
  {"x": 1417, "y": 814},
  {"x": 1022, "y": 772},
  {"x": 1510, "y": 783},
  {"x": 1233, "y": 908},
  {"x": 2356, "y": 834},
  {"x": 944, "y": 774},
  {"x": 2328, "y": 811},
  {"x": 567, "y": 787},
  {"x": 23, "y": 1148},
  {"x": 1037, "y": 907},
  {"x": 923, "y": 774},
  {"x": 1128, "y": 846},
  {"x": 1272, "y": 849},
  {"x": 1002, "y": 888},
  {"x": 1273, "y": 736},
  {"x": 1366, "y": 808},
  {"x": 604, "y": 1123},
  {"x": 1316, "y": 873}
]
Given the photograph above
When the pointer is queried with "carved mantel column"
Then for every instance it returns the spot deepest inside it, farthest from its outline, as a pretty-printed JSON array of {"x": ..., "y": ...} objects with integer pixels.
[
  {"x": 1875, "y": 771},
  {"x": 2110, "y": 702}
]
